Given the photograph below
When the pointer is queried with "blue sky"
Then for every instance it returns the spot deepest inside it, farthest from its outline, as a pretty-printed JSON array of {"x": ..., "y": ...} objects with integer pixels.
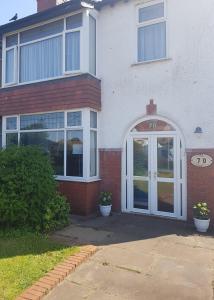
[{"x": 8, "y": 8}]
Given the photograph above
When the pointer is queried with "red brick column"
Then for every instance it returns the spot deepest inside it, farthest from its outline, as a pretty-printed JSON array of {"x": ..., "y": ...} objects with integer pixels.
[
  {"x": 110, "y": 173},
  {"x": 200, "y": 183}
]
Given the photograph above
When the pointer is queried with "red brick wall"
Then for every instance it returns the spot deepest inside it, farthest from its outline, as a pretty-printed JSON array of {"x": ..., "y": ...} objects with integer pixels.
[
  {"x": 45, "y": 4},
  {"x": 110, "y": 173},
  {"x": 83, "y": 197},
  {"x": 61, "y": 94},
  {"x": 200, "y": 182}
]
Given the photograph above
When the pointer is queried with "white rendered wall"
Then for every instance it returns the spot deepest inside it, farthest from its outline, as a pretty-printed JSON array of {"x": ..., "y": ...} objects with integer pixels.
[{"x": 182, "y": 87}]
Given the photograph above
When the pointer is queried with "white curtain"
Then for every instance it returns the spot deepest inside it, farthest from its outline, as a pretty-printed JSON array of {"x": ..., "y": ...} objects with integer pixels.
[
  {"x": 9, "y": 66},
  {"x": 41, "y": 60},
  {"x": 152, "y": 42},
  {"x": 72, "y": 51}
]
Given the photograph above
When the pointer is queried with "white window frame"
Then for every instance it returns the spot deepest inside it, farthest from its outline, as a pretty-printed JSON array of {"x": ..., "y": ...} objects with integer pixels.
[
  {"x": 85, "y": 127},
  {"x": 151, "y": 22},
  {"x": 84, "y": 47}
]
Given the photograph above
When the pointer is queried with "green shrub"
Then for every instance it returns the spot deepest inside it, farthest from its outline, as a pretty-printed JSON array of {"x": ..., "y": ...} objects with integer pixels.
[{"x": 28, "y": 196}]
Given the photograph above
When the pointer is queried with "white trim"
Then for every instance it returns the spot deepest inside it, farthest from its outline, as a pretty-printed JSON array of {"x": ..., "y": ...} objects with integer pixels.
[{"x": 181, "y": 154}]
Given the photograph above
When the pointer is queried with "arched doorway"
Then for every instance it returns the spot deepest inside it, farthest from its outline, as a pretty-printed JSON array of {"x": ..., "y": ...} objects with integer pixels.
[{"x": 154, "y": 169}]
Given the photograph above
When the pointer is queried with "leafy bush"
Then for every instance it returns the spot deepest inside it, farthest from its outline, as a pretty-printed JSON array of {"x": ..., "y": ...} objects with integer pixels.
[
  {"x": 28, "y": 196},
  {"x": 105, "y": 198},
  {"x": 201, "y": 211}
]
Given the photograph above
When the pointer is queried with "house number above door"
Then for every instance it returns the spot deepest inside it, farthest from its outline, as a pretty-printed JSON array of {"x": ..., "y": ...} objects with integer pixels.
[{"x": 202, "y": 160}]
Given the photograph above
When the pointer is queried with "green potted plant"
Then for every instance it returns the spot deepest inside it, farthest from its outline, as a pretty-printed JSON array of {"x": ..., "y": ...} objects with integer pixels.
[
  {"x": 201, "y": 216},
  {"x": 105, "y": 203}
]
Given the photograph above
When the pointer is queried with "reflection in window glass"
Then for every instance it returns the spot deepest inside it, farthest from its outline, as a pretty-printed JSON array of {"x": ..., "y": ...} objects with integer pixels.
[
  {"x": 151, "y": 12},
  {"x": 165, "y": 157},
  {"x": 10, "y": 66},
  {"x": 93, "y": 153},
  {"x": 42, "y": 121},
  {"x": 93, "y": 119},
  {"x": 74, "y": 21},
  {"x": 11, "y": 139},
  {"x": 74, "y": 118},
  {"x": 166, "y": 197},
  {"x": 52, "y": 142},
  {"x": 12, "y": 40},
  {"x": 74, "y": 153},
  {"x": 141, "y": 157},
  {"x": 72, "y": 51},
  {"x": 11, "y": 123},
  {"x": 141, "y": 195}
]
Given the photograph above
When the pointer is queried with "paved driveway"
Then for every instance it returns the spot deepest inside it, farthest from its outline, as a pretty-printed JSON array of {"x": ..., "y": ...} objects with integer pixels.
[{"x": 139, "y": 258}]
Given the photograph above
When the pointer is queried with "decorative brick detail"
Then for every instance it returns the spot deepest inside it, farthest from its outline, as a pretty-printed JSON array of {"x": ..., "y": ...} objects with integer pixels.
[
  {"x": 151, "y": 108},
  {"x": 82, "y": 196},
  {"x": 110, "y": 172},
  {"x": 60, "y": 94},
  {"x": 45, "y": 284},
  {"x": 200, "y": 183}
]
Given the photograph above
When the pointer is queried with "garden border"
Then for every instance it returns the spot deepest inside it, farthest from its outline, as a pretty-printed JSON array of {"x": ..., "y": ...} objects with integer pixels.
[{"x": 47, "y": 283}]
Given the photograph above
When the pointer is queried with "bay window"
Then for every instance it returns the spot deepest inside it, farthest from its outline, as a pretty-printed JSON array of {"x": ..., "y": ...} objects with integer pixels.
[
  {"x": 151, "y": 31},
  {"x": 61, "y": 136},
  {"x": 51, "y": 50}
]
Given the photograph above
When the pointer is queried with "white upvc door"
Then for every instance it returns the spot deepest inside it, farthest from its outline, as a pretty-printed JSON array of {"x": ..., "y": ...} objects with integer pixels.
[{"x": 154, "y": 174}]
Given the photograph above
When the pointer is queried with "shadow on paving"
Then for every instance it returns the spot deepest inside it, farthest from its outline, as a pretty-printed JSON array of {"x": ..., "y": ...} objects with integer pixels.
[{"x": 122, "y": 228}]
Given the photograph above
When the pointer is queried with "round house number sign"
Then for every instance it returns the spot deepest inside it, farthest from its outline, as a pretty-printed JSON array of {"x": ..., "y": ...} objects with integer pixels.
[{"x": 202, "y": 160}]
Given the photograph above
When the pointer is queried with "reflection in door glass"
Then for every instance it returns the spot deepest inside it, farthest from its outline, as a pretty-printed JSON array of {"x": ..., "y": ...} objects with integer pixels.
[
  {"x": 141, "y": 196},
  {"x": 165, "y": 157},
  {"x": 166, "y": 197},
  {"x": 141, "y": 157}
]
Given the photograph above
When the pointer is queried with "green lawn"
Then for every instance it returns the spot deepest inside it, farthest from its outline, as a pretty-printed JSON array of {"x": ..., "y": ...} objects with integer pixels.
[{"x": 24, "y": 258}]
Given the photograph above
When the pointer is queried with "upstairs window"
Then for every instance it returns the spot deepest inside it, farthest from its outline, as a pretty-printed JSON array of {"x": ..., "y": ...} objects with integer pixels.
[
  {"x": 151, "y": 32},
  {"x": 51, "y": 50}
]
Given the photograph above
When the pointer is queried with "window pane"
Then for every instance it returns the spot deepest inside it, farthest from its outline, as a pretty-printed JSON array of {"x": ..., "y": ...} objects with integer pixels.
[
  {"x": 51, "y": 142},
  {"x": 11, "y": 139},
  {"x": 41, "y": 60},
  {"x": 141, "y": 157},
  {"x": 74, "y": 118},
  {"x": 12, "y": 40},
  {"x": 166, "y": 197},
  {"x": 165, "y": 157},
  {"x": 92, "y": 45},
  {"x": 152, "y": 42},
  {"x": 10, "y": 66},
  {"x": 74, "y": 153},
  {"x": 42, "y": 31},
  {"x": 11, "y": 123},
  {"x": 93, "y": 119},
  {"x": 74, "y": 21},
  {"x": 93, "y": 153},
  {"x": 42, "y": 121},
  {"x": 141, "y": 194},
  {"x": 72, "y": 54},
  {"x": 151, "y": 12}
]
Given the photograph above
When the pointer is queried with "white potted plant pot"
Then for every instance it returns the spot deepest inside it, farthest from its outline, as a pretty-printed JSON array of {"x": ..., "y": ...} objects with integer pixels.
[
  {"x": 201, "y": 216},
  {"x": 105, "y": 210},
  {"x": 105, "y": 203},
  {"x": 202, "y": 225}
]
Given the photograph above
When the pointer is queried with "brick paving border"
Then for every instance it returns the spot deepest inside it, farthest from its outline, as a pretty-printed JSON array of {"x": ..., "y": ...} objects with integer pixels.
[{"x": 47, "y": 283}]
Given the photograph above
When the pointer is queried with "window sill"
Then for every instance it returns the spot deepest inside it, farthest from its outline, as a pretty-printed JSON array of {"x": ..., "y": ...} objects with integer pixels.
[
  {"x": 151, "y": 61},
  {"x": 76, "y": 179}
]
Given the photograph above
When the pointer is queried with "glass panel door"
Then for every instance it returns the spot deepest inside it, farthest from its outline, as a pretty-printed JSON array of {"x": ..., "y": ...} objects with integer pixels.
[
  {"x": 164, "y": 175},
  {"x": 141, "y": 173}
]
